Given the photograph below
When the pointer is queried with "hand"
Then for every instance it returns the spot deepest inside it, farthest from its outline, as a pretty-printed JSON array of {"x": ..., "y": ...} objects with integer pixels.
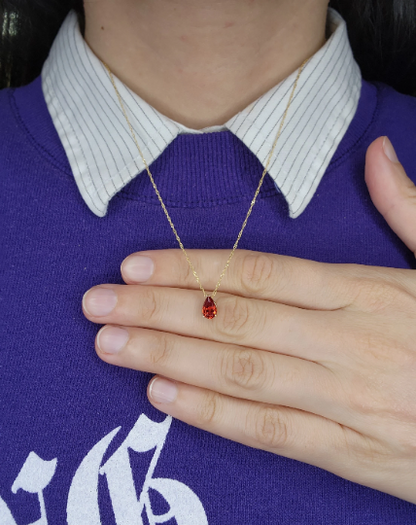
[{"x": 312, "y": 361}]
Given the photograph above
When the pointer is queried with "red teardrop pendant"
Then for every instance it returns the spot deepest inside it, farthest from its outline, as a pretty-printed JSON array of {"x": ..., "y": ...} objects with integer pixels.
[{"x": 209, "y": 310}]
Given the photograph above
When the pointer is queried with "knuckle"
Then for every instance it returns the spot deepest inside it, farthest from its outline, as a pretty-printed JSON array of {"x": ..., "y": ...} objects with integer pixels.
[
  {"x": 186, "y": 271},
  {"x": 160, "y": 350},
  {"x": 378, "y": 350},
  {"x": 373, "y": 346},
  {"x": 271, "y": 428},
  {"x": 256, "y": 272},
  {"x": 370, "y": 397},
  {"x": 208, "y": 410},
  {"x": 243, "y": 368},
  {"x": 235, "y": 319},
  {"x": 367, "y": 393},
  {"x": 377, "y": 394},
  {"x": 149, "y": 306},
  {"x": 377, "y": 295},
  {"x": 361, "y": 399}
]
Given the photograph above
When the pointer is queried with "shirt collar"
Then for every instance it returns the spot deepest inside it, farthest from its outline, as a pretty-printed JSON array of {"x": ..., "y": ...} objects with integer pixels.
[{"x": 104, "y": 157}]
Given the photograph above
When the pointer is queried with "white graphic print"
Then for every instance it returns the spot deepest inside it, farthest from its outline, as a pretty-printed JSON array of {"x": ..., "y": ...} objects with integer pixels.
[
  {"x": 82, "y": 504},
  {"x": 33, "y": 477}
]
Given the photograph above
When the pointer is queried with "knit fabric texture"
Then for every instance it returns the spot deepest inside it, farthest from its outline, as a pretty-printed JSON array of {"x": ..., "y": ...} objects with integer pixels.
[{"x": 79, "y": 441}]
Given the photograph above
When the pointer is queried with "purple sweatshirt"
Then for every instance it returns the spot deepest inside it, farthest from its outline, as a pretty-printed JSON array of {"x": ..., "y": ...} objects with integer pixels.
[{"x": 79, "y": 442}]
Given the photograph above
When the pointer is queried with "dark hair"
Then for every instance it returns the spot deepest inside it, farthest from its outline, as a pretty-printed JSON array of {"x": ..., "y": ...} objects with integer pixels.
[{"x": 382, "y": 34}]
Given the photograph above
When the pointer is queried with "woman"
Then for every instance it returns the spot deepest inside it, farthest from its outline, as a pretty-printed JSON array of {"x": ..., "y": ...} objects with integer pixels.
[{"x": 303, "y": 373}]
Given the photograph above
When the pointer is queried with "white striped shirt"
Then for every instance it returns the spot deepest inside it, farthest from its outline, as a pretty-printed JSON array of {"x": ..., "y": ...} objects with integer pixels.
[{"x": 103, "y": 155}]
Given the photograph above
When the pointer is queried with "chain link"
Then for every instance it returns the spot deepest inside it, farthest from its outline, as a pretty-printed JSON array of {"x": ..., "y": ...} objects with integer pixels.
[{"x": 252, "y": 202}]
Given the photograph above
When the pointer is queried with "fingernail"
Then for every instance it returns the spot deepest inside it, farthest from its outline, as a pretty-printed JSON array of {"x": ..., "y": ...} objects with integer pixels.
[
  {"x": 162, "y": 390},
  {"x": 99, "y": 301},
  {"x": 111, "y": 339},
  {"x": 137, "y": 268},
  {"x": 389, "y": 150}
]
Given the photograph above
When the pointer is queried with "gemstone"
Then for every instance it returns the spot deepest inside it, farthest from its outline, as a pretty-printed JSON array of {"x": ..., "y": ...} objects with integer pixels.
[{"x": 209, "y": 310}]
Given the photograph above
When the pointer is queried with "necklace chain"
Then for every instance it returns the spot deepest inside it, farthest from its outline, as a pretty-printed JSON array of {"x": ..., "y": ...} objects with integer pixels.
[{"x": 252, "y": 202}]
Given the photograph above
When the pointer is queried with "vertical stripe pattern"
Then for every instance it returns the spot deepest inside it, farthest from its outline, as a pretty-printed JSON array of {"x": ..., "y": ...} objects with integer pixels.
[{"x": 104, "y": 158}]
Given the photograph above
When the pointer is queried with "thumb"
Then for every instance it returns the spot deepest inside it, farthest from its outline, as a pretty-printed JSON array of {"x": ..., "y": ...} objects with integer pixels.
[{"x": 391, "y": 190}]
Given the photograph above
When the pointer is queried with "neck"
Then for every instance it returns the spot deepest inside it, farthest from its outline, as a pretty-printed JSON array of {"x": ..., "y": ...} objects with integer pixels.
[{"x": 200, "y": 62}]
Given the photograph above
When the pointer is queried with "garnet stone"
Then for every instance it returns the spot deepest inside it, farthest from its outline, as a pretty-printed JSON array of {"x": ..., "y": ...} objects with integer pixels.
[{"x": 209, "y": 310}]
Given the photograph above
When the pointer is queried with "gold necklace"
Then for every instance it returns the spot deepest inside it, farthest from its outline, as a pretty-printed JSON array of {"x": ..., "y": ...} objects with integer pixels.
[{"x": 209, "y": 309}]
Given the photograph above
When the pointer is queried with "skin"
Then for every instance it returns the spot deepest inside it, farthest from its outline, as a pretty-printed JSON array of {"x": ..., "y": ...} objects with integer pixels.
[
  {"x": 319, "y": 366},
  {"x": 199, "y": 62}
]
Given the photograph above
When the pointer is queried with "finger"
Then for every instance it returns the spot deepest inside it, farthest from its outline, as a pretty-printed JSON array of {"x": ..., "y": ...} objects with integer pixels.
[
  {"x": 391, "y": 191},
  {"x": 281, "y": 430},
  {"x": 289, "y": 280},
  {"x": 247, "y": 322},
  {"x": 236, "y": 371}
]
